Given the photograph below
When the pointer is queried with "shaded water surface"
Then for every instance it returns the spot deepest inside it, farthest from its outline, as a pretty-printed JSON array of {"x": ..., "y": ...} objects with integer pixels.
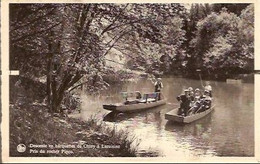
[{"x": 227, "y": 131}]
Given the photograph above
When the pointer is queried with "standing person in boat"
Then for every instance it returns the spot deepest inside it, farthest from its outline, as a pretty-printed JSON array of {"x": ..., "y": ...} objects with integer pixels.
[
  {"x": 158, "y": 85},
  {"x": 185, "y": 101},
  {"x": 208, "y": 88}
]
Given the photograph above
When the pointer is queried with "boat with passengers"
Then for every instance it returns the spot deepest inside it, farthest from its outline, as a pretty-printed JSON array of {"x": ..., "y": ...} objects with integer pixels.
[
  {"x": 134, "y": 102},
  {"x": 192, "y": 106}
]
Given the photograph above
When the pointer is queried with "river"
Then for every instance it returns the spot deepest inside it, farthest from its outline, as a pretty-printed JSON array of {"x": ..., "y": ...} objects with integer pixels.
[{"x": 227, "y": 131}]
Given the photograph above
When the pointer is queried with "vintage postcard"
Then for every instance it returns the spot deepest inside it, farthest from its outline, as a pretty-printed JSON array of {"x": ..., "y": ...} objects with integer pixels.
[{"x": 137, "y": 81}]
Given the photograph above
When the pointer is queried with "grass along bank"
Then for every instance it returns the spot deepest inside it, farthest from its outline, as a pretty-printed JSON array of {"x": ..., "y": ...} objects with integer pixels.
[{"x": 32, "y": 125}]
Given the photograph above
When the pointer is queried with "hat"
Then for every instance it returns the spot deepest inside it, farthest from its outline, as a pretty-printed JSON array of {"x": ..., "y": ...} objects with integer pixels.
[
  {"x": 197, "y": 89},
  {"x": 190, "y": 89},
  {"x": 186, "y": 90}
]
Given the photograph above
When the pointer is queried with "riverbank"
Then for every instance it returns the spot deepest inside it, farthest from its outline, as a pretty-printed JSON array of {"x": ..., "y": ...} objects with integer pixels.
[
  {"x": 33, "y": 125},
  {"x": 244, "y": 77},
  {"x": 46, "y": 134},
  {"x": 113, "y": 77}
]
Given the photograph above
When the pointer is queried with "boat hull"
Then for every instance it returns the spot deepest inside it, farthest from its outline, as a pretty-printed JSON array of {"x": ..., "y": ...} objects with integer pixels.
[
  {"x": 133, "y": 107},
  {"x": 234, "y": 81},
  {"x": 173, "y": 116}
]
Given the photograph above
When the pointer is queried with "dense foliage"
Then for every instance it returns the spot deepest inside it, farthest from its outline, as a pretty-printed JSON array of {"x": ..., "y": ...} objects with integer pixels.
[
  {"x": 68, "y": 45},
  {"x": 220, "y": 42}
]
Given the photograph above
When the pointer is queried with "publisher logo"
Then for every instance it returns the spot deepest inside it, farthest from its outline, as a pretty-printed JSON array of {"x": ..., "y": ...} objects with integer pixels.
[{"x": 21, "y": 148}]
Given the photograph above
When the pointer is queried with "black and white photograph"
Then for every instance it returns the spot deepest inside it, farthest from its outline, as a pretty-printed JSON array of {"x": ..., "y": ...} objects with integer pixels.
[{"x": 169, "y": 80}]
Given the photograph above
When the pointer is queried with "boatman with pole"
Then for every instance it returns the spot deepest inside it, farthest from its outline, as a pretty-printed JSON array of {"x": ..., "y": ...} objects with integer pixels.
[
  {"x": 208, "y": 86},
  {"x": 158, "y": 87}
]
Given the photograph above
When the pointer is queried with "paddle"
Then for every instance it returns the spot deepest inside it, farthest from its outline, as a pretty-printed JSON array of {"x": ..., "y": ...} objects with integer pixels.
[
  {"x": 175, "y": 104},
  {"x": 198, "y": 70}
]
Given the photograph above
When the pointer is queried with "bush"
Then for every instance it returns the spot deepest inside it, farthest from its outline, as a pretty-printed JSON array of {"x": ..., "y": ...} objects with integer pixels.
[{"x": 32, "y": 124}]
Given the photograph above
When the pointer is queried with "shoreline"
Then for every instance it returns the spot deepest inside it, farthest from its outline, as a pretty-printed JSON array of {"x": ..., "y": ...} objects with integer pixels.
[
  {"x": 66, "y": 136},
  {"x": 32, "y": 124},
  {"x": 132, "y": 74}
]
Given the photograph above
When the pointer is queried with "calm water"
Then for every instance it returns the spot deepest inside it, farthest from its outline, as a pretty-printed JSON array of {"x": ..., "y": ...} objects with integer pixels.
[{"x": 227, "y": 131}]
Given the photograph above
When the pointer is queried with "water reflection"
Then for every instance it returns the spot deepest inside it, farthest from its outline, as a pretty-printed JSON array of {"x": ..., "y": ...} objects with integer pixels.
[
  {"x": 195, "y": 128},
  {"x": 197, "y": 134},
  {"x": 227, "y": 131},
  {"x": 152, "y": 114}
]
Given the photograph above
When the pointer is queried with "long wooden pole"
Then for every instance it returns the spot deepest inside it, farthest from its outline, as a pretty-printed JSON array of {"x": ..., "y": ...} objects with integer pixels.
[{"x": 198, "y": 70}]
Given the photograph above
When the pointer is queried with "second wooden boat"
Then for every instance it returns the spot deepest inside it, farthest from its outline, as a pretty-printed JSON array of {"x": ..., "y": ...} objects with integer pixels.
[
  {"x": 173, "y": 116},
  {"x": 234, "y": 81}
]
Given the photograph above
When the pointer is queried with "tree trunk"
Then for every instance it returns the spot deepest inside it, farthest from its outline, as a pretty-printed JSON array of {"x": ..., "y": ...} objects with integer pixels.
[
  {"x": 53, "y": 95},
  {"x": 48, "y": 87}
]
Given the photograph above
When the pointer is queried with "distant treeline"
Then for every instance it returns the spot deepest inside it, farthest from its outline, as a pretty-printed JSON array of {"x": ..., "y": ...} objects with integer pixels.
[{"x": 218, "y": 39}]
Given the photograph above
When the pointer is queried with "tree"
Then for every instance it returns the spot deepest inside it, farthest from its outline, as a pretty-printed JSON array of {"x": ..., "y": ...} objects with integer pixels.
[
  {"x": 163, "y": 37},
  {"x": 209, "y": 29},
  {"x": 196, "y": 13},
  {"x": 66, "y": 43},
  {"x": 234, "y": 8},
  {"x": 245, "y": 42},
  {"x": 219, "y": 45}
]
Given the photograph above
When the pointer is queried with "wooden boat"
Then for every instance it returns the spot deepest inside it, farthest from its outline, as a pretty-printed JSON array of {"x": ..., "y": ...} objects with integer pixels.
[
  {"x": 121, "y": 107},
  {"x": 234, "y": 81},
  {"x": 149, "y": 100},
  {"x": 173, "y": 116}
]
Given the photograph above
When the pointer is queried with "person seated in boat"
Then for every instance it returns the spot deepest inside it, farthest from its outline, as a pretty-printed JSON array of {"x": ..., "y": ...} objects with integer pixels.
[
  {"x": 185, "y": 101},
  {"x": 138, "y": 95},
  {"x": 191, "y": 94},
  {"x": 202, "y": 102},
  {"x": 196, "y": 106},
  {"x": 205, "y": 102},
  {"x": 208, "y": 88},
  {"x": 197, "y": 95},
  {"x": 147, "y": 98},
  {"x": 195, "y": 98},
  {"x": 135, "y": 99}
]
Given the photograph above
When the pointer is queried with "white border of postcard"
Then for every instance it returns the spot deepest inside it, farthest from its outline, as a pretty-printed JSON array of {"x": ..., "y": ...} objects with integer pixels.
[{"x": 5, "y": 91}]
